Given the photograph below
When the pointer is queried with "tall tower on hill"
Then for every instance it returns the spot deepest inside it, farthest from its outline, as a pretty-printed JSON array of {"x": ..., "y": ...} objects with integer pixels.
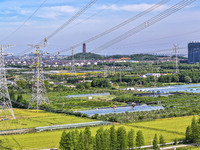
[{"x": 84, "y": 48}]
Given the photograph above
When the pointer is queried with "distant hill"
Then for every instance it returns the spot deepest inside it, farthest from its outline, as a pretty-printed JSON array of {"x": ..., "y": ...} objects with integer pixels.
[
  {"x": 117, "y": 56},
  {"x": 142, "y": 57},
  {"x": 90, "y": 56},
  {"x": 86, "y": 56},
  {"x": 179, "y": 57}
]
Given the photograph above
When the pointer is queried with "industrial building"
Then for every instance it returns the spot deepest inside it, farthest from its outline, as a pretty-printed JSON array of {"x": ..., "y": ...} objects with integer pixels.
[{"x": 194, "y": 52}]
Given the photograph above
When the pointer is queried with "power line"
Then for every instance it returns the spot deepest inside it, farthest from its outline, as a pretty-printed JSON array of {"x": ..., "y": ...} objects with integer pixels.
[
  {"x": 146, "y": 24},
  {"x": 121, "y": 24},
  {"x": 166, "y": 37},
  {"x": 17, "y": 29},
  {"x": 91, "y": 16},
  {"x": 71, "y": 19},
  {"x": 80, "y": 12}
]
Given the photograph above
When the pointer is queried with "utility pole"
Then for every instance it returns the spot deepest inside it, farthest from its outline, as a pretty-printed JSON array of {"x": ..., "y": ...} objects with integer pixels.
[
  {"x": 84, "y": 67},
  {"x": 72, "y": 63},
  {"x": 114, "y": 68},
  {"x": 5, "y": 101},
  {"x": 39, "y": 94},
  {"x": 120, "y": 75},
  {"x": 105, "y": 71},
  {"x": 175, "y": 50}
]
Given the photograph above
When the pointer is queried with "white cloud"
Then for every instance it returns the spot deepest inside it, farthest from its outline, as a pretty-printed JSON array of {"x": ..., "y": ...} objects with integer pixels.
[
  {"x": 132, "y": 8},
  {"x": 55, "y": 11},
  {"x": 63, "y": 9},
  {"x": 49, "y": 15}
]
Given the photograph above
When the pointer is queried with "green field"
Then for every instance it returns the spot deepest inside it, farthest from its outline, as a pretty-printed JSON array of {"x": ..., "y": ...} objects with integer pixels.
[
  {"x": 170, "y": 128},
  {"x": 31, "y": 119},
  {"x": 177, "y": 125},
  {"x": 58, "y": 100}
]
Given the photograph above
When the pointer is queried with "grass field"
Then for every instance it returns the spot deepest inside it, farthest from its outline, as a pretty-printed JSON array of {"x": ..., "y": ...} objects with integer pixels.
[
  {"x": 177, "y": 124},
  {"x": 31, "y": 119},
  {"x": 57, "y": 99},
  {"x": 169, "y": 128}
]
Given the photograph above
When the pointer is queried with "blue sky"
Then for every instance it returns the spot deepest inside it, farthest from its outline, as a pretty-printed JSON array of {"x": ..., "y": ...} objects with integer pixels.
[{"x": 180, "y": 28}]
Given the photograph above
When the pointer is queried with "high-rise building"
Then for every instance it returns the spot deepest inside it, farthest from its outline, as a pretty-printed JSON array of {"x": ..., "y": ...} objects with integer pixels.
[
  {"x": 84, "y": 48},
  {"x": 194, "y": 52}
]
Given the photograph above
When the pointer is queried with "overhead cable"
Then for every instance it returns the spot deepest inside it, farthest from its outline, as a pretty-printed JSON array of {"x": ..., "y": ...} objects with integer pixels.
[
  {"x": 71, "y": 19},
  {"x": 80, "y": 12},
  {"x": 120, "y": 25},
  {"x": 146, "y": 24},
  {"x": 17, "y": 29}
]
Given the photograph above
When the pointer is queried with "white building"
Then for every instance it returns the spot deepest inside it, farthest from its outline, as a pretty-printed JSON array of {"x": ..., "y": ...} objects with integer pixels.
[{"x": 153, "y": 75}]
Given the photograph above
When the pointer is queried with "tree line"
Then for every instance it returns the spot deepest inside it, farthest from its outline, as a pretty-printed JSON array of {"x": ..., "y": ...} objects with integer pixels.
[
  {"x": 105, "y": 139},
  {"x": 192, "y": 134}
]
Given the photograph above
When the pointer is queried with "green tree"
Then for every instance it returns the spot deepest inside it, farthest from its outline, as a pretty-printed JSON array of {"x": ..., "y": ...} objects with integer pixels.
[
  {"x": 194, "y": 130},
  {"x": 113, "y": 138},
  {"x": 188, "y": 135},
  {"x": 131, "y": 138},
  {"x": 66, "y": 141},
  {"x": 121, "y": 138},
  {"x": 80, "y": 86},
  {"x": 12, "y": 95},
  {"x": 81, "y": 144},
  {"x": 75, "y": 135},
  {"x": 139, "y": 139},
  {"x": 155, "y": 142},
  {"x": 99, "y": 139},
  {"x": 63, "y": 141},
  {"x": 47, "y": 84},
  {"x": 98, "y": 82},
  {"x": 88, "y": 139},
  {"x": 162, "y": 140},
  {"x": 20, "y": 98},
  {"x": 198, "y": 135},
  {"x": 175, "y": 78},
  {"x": 24, "y": 84},
  {"x": 188, "y": 79},
  {"x": 106, "y": 139},
  {"x": 175, "y": 141}
]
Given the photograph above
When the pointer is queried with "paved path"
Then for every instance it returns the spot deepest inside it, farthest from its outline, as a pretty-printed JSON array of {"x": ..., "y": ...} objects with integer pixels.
[
  {"x": 167, "y": 148},
  {"x": 175, "y": 146}
]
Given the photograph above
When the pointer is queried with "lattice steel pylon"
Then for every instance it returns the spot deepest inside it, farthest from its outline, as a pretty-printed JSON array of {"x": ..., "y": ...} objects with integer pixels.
[
  {"x": 5, "y": 102},
  {"x": 39, "y": 94},
  {"x": 176, "y": 55},
  {"x": 73, "y": 71}
]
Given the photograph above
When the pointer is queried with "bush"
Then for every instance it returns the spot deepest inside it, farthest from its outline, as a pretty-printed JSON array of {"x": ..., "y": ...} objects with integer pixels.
[
  {"x": 78, "y": 114},
  {"x": 95, "y": 116}
]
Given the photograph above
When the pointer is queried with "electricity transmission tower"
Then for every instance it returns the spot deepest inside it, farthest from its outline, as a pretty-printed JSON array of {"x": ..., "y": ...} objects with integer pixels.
[
  {"x": 39, "y": 94},
  {"x": 5, "y": 101},
  {"x": 72, "y": 63},
  {"x": 175, "y": 50},
  {"x": 105, "y": 71}
]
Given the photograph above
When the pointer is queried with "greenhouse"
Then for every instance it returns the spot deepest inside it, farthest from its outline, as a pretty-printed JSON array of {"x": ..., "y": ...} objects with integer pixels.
[
  {"x": 88, "y": 95},
  {"x": 68, "y": 126}
]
